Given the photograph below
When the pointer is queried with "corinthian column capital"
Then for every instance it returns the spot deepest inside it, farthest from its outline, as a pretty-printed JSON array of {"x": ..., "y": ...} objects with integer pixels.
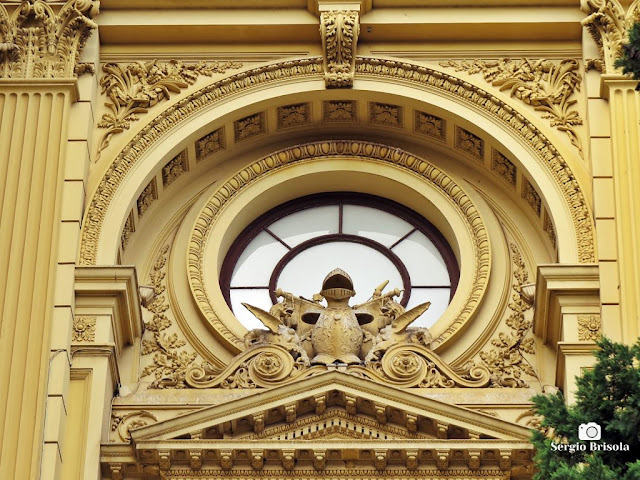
[{"x": 37, "y": 41}]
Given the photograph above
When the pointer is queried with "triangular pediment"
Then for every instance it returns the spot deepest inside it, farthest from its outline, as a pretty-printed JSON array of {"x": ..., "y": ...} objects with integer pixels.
[
  {"x": 285, "y": 408},
  {"x": 324, "y": 423}
]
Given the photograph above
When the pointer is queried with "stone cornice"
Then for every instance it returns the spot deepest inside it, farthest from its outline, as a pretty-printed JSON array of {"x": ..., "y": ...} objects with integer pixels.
[
  {"x": 38, "y": 42},
  {"x": 115, "y": 288},
  {"x": 557, "y": 286}
]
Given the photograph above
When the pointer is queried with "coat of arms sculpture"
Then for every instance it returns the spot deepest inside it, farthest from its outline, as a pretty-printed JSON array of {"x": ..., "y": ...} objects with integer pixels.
[{"x": 371, "y": 340}]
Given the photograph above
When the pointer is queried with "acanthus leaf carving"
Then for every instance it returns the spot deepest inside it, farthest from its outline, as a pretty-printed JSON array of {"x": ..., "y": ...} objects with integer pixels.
[
  {"x": 339, "y": 30},
  {"x": 608, "y": 24},
  {"x": 506, "y": 361},
  {"x": 37, "y": 42},
  {"x": 545, "y": 85},
  {"x": 134, "y": 88}
]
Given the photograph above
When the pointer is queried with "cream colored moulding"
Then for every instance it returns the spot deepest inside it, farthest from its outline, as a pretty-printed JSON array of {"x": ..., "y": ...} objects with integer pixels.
[
  {"x": 40, "y": 47},
  {"x": 567, "y": 310},
  {"x": 608, "y": 22},
  {"x": 296, "y": 170},
  {"x": 105, "y": 350},
  {"x": 329, "y": 426},
  {"x": 185, "y": 111}
]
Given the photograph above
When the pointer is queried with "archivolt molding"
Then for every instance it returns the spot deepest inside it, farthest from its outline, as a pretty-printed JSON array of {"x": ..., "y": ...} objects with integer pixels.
[
  {"x": 312, "y": 67},
  {"x": 608, "y": 24},
  {"x": 35, "y": 42},
  {"x": 546, "y": 85},
  {"x": 357, "y": 150},
  {"x": 514, "y": 121}
]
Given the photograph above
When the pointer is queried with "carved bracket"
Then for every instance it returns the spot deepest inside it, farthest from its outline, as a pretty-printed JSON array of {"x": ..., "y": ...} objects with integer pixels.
[
  {"x": 339, "y": 31},
  {"x": 35, "y": 42}
]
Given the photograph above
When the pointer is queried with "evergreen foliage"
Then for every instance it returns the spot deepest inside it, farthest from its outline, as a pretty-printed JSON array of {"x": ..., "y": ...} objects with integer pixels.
[
  {"x": 630, "y": 59},
  {"x": 608, "y": 394}
]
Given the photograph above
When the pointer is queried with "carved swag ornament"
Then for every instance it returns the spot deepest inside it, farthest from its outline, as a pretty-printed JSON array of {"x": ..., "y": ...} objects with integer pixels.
[
  {"x": 372, "y": 340},
  {"x": 37, "y": 42},
  {"x": 339, "y": 31}
]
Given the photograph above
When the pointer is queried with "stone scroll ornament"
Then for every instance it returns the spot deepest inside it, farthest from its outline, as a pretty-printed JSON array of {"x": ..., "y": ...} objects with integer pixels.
[{"x": 371, "y": 340}]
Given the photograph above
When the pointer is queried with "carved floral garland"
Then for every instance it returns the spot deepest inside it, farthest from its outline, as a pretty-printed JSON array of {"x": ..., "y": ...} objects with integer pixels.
[
  {"x": 545, "y": 85},
  {"x": 506, "y": 361},
  {"x": 169, "y": 362}
]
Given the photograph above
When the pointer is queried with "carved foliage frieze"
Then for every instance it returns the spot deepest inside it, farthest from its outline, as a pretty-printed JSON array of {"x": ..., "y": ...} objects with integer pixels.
[
  {"x": 608, "y": 23},
  {"x": 546, "y": 85},
  {"x": 37, "y": 42},
  {"x": 429, "y": 125},
  {"x": 339, "y": 31},
  {"x": 174, "y": 168},
  {"x": 134, "y": 88},
  {"x": 209, "y": 144},
  {"x": 294, "y": 115},
  {"x": 504, "y": 167}
]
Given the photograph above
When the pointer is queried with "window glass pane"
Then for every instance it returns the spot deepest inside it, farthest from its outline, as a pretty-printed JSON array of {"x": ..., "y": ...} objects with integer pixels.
[
  {"x": 422, "y": 259},
  {"x": 367, "y": 267},
  {"x": 258, "y": 260},
  {"x": 306, "y": 224},
  {"x": 439, "y": 298},
  {"x": 257, "y": 298},
  {"x": 377, "y": 225}
]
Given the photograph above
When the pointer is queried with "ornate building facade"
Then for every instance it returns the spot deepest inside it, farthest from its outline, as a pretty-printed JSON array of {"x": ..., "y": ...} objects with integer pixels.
[{"x": 178, "y": 178}]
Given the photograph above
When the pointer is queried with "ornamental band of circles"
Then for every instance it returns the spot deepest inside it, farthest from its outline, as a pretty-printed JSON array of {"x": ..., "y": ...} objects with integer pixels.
[{"x": 201, "y": 271}]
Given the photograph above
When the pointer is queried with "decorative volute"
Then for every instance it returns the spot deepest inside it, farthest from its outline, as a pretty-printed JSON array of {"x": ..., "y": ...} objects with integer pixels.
[
  {"x": 305, "y": 338},
  {"x": 38, "y": 42},
  {"x": 609, "y": 22}
]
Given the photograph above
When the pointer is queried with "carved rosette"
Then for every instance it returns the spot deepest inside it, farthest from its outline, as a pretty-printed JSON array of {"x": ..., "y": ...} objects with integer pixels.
[
  {"x": 259, "y": 367},
  {"x": 413, "y": 365},
  {"x": 37, "y": 42},
  {"x": 339, "y": 31},
  {"x": 404, "y": 365},
  {"x": 608, "y": 24}
]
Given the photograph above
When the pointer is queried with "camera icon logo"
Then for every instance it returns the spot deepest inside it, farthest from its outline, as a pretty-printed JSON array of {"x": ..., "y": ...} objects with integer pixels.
[{"x": 589, "y": 431}]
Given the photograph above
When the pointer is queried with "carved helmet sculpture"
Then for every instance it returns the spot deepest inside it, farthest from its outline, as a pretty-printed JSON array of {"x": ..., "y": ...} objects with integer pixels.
[{"x": 334, "y": 334}]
